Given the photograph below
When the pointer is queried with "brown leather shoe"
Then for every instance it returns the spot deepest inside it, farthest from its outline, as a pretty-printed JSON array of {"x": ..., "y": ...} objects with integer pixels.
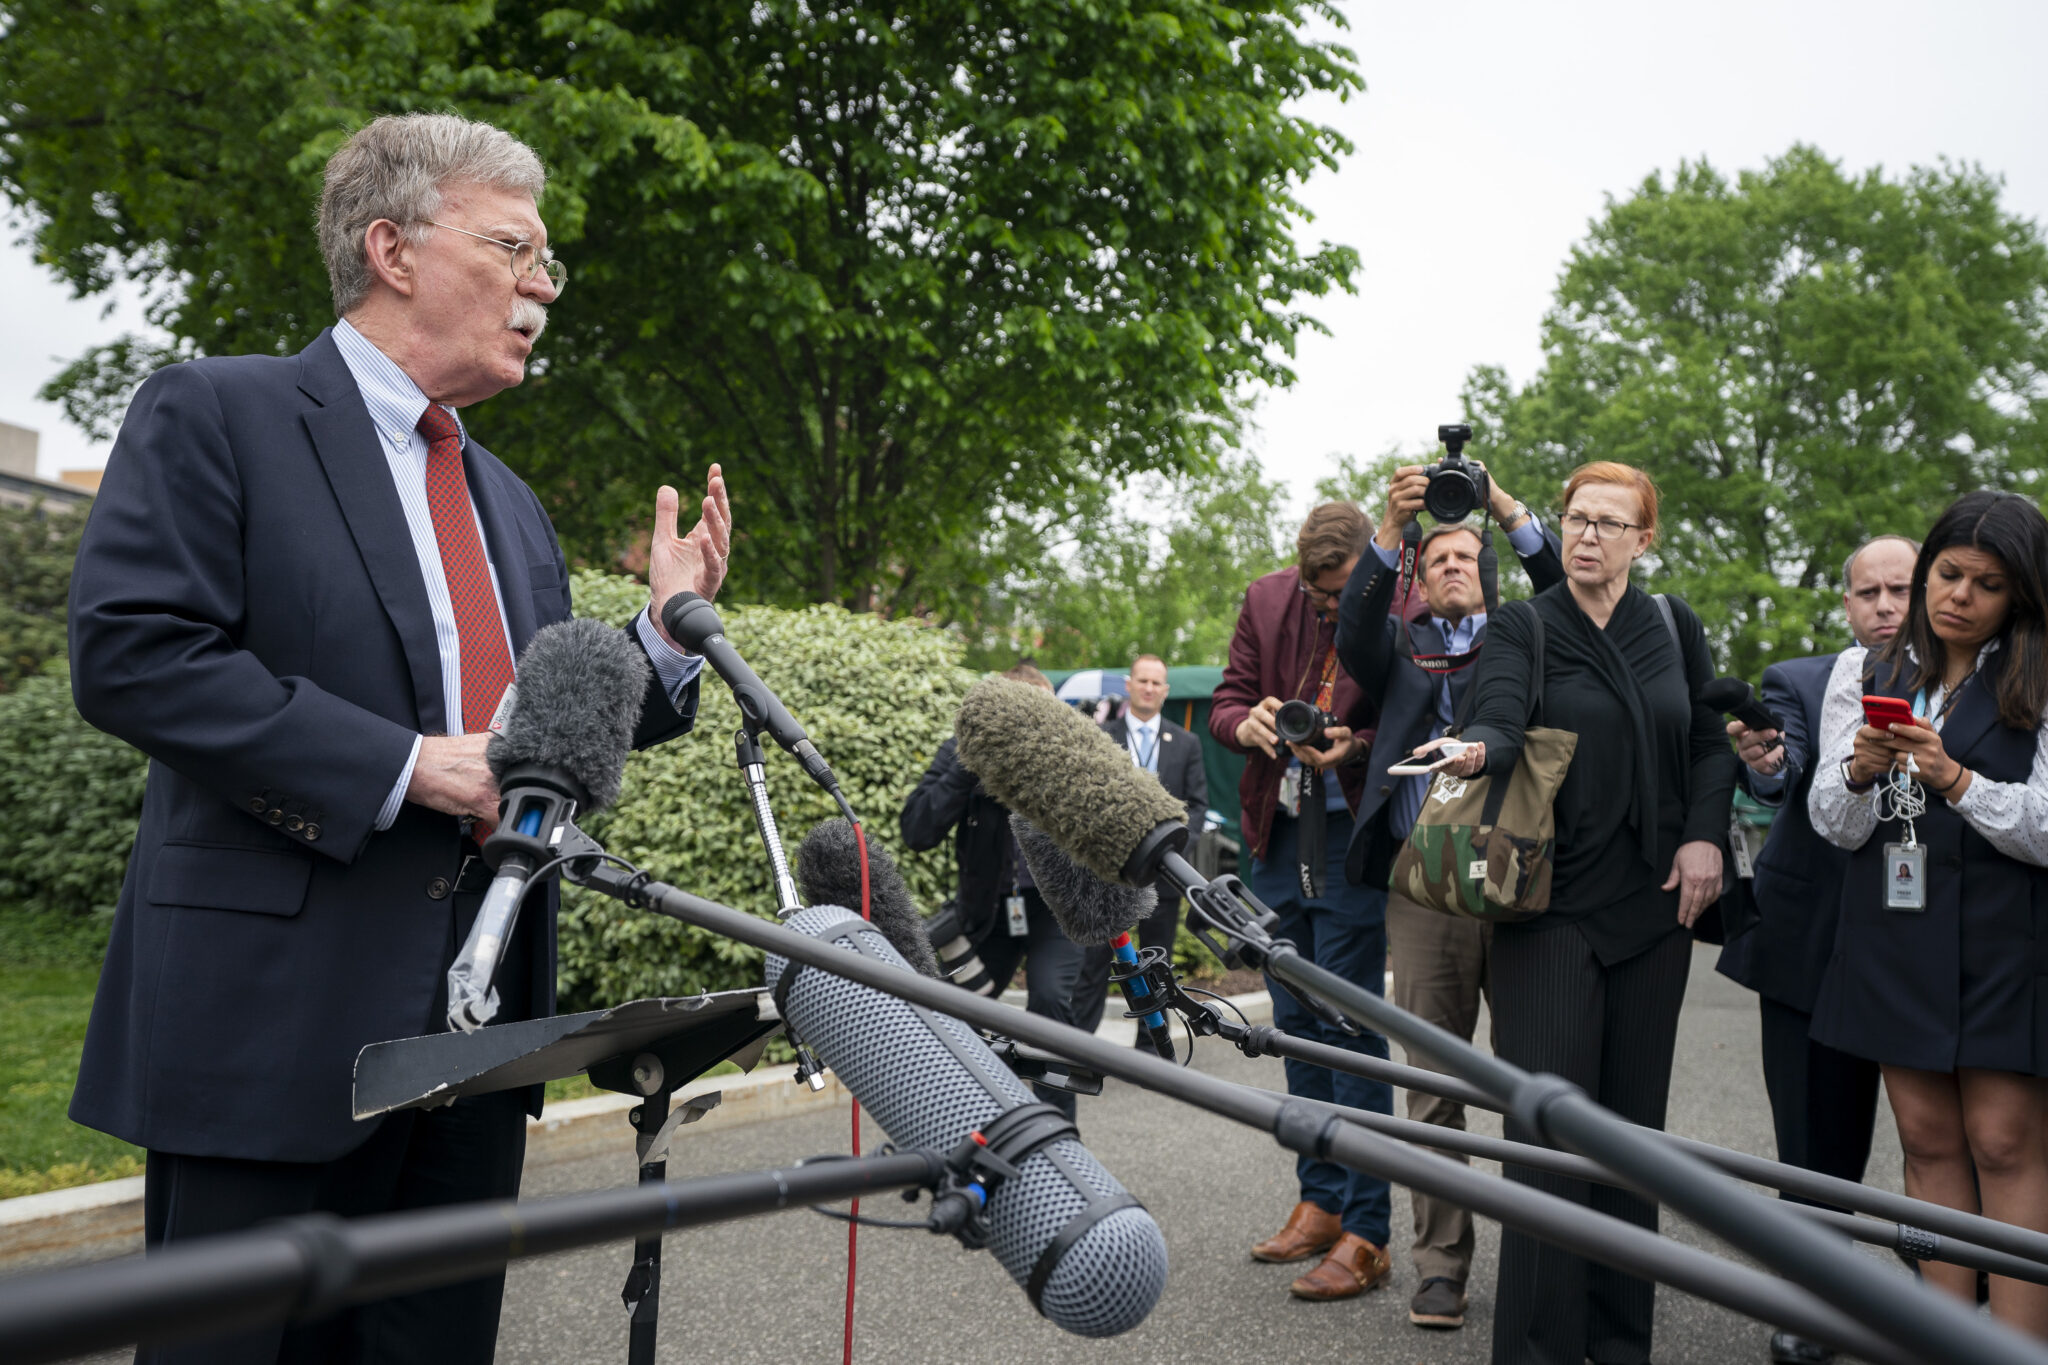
[
  {"x": 1353, "y": 1266},
  {"x": 1309, "y": 1232}
]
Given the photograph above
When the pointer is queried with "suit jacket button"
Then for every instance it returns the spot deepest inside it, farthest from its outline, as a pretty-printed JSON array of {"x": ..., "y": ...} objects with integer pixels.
[
  {"x": 437, "y": 889},
  {"x": 312, "y": 830},
  {"x": 274, "y": 816},
  {"x": 256, "y": 805},
  {"x": 294, "y": 823}
]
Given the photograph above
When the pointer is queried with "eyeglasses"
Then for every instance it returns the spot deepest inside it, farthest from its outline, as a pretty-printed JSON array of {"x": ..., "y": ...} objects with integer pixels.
[
  {"x": 527, "y": 260},
  {"x": 1317, "y": 596},
  {"x": 1607, "y": 528}
]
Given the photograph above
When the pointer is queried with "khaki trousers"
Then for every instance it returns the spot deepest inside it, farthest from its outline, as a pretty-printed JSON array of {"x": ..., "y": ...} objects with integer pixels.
[{"x": 1440, "y": 965}]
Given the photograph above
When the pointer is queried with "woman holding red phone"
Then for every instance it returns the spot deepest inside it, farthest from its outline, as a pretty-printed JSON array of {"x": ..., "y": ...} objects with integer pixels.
[{"x": 1934, "y": 773}]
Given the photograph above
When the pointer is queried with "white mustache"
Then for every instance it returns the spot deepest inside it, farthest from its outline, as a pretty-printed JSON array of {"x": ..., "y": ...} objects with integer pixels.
[{"x": 528, "y": 314}]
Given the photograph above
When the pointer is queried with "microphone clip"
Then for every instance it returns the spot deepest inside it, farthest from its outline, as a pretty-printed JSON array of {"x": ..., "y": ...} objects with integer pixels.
[
  {"x": 1231, "y": 922},
  {"x": 983, "y": 1160}
]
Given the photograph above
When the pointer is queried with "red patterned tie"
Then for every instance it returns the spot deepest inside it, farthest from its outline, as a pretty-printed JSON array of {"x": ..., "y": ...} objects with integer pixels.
[{"x": 486, "y": 663}]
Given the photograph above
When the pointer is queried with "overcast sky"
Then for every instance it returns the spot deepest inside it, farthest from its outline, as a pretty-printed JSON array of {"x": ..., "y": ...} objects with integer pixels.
[{"x": 1488, "y": 136}]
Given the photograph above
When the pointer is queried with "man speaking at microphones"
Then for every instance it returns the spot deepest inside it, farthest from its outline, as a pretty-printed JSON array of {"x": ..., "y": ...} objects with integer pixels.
[{"x": 300, "y": 592}]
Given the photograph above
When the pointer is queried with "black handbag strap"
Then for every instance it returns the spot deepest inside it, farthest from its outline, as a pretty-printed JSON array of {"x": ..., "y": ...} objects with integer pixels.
[{"x": 1497, "y": 791}]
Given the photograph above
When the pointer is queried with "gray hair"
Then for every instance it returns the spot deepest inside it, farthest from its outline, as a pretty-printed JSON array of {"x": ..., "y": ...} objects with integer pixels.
[
  {"x": 1849, "y": 564},
  {"x": 395, "y": 167}
]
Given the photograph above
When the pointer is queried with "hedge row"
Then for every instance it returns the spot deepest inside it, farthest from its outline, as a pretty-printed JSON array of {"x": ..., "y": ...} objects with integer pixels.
[{"x": 877, "y": 696}]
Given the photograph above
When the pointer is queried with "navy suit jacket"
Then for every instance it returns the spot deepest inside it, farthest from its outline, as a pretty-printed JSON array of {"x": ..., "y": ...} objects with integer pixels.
[
  {"x": 1368, "y": 646},
  {"x": 1799, "y": 874},
  {"x": 247, "y": 609}
]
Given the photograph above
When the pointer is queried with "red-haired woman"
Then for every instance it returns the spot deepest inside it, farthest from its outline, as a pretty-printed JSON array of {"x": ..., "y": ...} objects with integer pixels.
[{"x": 1591, "y": 989}]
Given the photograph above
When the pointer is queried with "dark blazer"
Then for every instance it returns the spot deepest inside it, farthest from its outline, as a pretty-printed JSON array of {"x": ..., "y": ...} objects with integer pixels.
[
  {"x": 1798, "y": 880},
  {"x": 1274, "y": 652},
  {"x": 1181, "y": 770},
  {"x": 1368, "y": 646},
  {"x": 949, "y": 797},
  {"x": 247, "y": 609},
  {"x": 1963, "y": 982}
]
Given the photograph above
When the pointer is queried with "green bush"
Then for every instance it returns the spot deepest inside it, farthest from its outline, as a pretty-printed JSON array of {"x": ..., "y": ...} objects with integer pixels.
[
  {"x": 877, "y": 696},
  {"x": 69, "y": 799}
]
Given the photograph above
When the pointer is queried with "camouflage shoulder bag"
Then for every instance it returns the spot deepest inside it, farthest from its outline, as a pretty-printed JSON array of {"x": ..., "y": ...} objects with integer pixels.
[{"x": 1484, "y": 846}]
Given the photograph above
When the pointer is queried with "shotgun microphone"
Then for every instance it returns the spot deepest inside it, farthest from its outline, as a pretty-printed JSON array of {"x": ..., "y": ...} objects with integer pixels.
[
  {"x": 1093, "y": 911},
  {"x": 560, "y": 752},
  {"x": 1042, "y": 760},
  {"x": 1088, "y": 1255},
  {"x": 828, "y": 870}
]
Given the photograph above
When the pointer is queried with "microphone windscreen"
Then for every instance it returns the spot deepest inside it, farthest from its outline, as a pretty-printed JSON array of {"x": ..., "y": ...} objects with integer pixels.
[
  {"x": 1089, "y": 909},
  {"x": 1093, "y": 1261},
  {"x": 581, "y": 685},
  {"x": 690, "y": 621},
  {"x": 1043, "y": 760},
  {"x": 828, "y": 870},
  {"x": 1724, "y": 694}
]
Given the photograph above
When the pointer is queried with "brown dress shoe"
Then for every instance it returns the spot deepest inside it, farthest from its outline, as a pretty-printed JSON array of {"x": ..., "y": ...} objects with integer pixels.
[
  {"x": 1353, "y": 1266},
  {"x": 1309, "y": 1232}
]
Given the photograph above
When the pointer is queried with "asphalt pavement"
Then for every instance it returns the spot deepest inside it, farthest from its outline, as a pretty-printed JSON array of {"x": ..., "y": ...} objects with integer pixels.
[{"x": 772, "y": 1289}]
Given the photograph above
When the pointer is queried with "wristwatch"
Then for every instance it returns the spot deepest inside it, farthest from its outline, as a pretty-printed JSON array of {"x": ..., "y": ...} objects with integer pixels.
[
  {"x": 1521, "y": 518},
  {"x": 1849, "y": 778}
]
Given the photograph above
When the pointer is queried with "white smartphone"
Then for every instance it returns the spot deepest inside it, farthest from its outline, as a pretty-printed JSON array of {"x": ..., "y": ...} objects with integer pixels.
[{"x": 1450, "y": 749}]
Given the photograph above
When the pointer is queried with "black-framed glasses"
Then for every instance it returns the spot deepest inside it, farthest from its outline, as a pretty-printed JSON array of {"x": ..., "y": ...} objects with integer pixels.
[
  {"x": 1574, "y": 525},
  {"x": 1317, "y": 596},
  {"x": 527, "y": 259}
]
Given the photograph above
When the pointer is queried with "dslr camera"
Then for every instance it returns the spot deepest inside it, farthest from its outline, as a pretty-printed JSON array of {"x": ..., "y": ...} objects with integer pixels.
[
  {"x": 1457, "y": 487},
  {"x": 1302, "y": 722}
]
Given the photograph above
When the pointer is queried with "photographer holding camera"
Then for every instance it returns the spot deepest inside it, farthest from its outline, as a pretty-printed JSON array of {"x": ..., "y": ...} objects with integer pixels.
[
  {"x": 1297, "y": 820},
  {"x": 1416, "y": 669}
]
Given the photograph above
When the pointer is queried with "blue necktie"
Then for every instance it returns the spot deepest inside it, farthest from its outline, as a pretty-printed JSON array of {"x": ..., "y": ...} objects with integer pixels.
[{"x": 1150, "y": 739}]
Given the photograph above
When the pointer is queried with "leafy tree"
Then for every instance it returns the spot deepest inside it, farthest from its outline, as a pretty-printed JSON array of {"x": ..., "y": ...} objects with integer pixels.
[
  {"x": 1801, "y": 359},
  {"x": 37, "y": 545},
  {"x": 1160, "y": 569},
  {"x": 894, "y": 264}
]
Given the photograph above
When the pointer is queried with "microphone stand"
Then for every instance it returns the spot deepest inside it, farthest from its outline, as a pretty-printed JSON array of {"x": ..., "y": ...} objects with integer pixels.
[
  {"x": 753, "y": 771},
  {"x": 1905, "y": 1324},
  {"x": 1561, "y": 1115}
]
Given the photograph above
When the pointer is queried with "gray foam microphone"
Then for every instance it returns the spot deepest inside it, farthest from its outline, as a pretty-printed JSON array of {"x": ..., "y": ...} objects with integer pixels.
[
  {"x": 1092, "y": 1259},
  {"x": 1043, "y": 760},
  {"x": 1089, "y": 910},
  {"x": 561, "y": 753},
  {"x": 828, "y": 869}
]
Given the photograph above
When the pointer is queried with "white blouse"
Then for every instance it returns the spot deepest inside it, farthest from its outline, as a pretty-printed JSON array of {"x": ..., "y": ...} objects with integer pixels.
[{"x": 2012, "y": 816}]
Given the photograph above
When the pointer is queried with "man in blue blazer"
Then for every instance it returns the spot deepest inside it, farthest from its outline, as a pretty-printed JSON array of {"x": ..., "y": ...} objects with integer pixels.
[
  {"x": 1415, "y": 671},
  {"x": 1823, "y": 1102},
  {"x": 300, "y": 592}
]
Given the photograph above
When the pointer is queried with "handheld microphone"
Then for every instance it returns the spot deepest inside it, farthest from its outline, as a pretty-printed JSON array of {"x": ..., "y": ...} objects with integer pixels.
[
  {"x": 560, "y": 752},
  {"x": 828, "y": 869},
  {"x": 694, "y": 624},
  {"x": 1089, "y": 1256},
  {"x": 1736, "y": 698},
  {"x": 1040, "y": 758},
  {"x": 1091, "y": 911}
]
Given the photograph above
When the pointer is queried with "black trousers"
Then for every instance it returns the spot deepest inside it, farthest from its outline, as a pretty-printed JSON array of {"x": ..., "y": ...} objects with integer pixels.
[
  {"x": 1610, "y": 1030},
  {"x": 1823, "y": 1102},
  {"x": 471, "y": 1150},
  {"x": 1053, "y": 984}
]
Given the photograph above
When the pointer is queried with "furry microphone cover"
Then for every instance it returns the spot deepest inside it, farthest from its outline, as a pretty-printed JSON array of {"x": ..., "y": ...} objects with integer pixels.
[
  {"x": 1089, "y": 910},
  {"x": 1044, "y": 760},
  {"x": 828, "y": 870},
  {"x": 581, "y": 685}
]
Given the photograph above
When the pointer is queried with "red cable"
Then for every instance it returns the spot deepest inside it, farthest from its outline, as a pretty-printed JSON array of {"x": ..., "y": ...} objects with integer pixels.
[{"x": 860, "y": 840}]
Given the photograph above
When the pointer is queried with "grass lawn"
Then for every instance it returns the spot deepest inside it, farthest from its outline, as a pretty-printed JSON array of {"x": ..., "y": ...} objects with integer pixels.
[{"x": 42, "y": 1026}]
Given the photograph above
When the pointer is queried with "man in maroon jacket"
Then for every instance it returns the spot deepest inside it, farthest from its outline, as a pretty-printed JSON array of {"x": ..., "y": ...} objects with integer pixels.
[{"x": 1297, "y": 801}]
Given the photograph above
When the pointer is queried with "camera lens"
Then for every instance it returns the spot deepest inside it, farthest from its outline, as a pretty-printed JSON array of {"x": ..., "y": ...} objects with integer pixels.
[
  {"x": 1296, "y": 722},
  {"x": 1451, "y": 494}
]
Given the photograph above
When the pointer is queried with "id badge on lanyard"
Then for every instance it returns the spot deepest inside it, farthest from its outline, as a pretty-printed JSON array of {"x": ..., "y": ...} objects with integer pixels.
[
  {"x": 1905, "y": 862},
  {"x": 1013, "y": 907}
]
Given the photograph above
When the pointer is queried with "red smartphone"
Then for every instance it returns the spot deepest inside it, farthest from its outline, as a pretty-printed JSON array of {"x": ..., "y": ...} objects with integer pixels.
[{"x": 1883, "y": 711}]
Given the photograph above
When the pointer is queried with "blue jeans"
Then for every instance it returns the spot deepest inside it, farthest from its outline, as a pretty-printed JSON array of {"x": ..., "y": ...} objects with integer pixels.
[{"x": 1344, "y": 931}]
